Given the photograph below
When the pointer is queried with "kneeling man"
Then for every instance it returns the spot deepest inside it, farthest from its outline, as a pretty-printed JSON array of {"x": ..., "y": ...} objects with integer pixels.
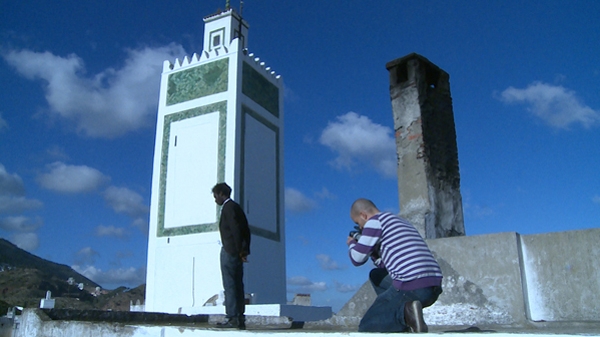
[{"x": 407, "y": 277}]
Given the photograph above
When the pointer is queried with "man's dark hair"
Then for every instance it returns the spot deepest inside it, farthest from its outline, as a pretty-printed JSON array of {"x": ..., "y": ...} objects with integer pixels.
[{"x": 222, "y": 189}]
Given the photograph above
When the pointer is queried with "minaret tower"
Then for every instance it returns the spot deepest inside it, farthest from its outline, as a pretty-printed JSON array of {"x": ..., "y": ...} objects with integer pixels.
[{"x": 220, "y": 119}]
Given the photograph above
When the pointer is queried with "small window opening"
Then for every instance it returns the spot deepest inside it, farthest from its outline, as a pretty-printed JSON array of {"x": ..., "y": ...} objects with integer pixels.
[
  {"x": 401, "y": 73},
  {"x": 432, "y": 76}
]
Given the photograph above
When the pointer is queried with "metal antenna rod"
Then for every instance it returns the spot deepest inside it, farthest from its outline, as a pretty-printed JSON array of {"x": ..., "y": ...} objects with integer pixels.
[{"x": 240, "y": 23}]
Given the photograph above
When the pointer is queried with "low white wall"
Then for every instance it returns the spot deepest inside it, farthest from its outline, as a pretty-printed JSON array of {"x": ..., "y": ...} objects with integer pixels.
[
  {"x": 482, "y": 281},
  {"x": 510, "y": 279}
]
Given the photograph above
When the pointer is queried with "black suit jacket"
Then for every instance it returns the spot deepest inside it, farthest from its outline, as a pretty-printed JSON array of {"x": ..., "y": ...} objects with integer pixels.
[{"x": 233, "y": 226}]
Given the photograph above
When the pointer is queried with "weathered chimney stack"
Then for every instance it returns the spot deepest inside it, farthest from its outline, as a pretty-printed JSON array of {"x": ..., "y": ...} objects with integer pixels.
[{"x": 428, "y": 175}]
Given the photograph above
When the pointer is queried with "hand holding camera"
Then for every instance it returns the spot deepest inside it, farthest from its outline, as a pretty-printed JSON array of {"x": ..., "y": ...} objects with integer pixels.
[{"x": 355, "y": 235}]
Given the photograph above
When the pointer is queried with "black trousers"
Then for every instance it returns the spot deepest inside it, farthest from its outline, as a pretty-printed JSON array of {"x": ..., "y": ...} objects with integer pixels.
[{"x": 232, "y": 271}]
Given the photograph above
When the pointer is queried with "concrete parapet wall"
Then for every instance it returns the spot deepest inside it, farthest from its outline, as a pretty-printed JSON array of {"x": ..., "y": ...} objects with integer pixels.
[
  {"x": 510, "y": 279},
  {"x": 482, "y": 281},
  {"x": 563, "y": 275}
]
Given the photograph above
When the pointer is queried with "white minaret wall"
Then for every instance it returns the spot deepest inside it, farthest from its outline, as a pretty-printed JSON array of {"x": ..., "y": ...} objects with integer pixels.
[{"x": 220, "y": 118}]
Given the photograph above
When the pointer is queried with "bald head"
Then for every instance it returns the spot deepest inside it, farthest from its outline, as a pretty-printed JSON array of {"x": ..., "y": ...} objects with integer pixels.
[{"x": 364, "y": 206}]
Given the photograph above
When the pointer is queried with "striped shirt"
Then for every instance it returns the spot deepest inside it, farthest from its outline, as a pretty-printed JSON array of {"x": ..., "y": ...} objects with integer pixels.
[{"x": 403, "y": 252}]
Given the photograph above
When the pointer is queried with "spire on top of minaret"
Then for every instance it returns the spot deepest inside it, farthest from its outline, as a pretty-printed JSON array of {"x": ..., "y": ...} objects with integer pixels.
[
  {"x": 228, "y": 5},
  {"x": 222, "y": 28}
]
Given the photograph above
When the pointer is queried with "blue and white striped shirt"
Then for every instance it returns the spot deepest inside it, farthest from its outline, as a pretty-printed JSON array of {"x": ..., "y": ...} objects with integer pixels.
[{"x": 403, "y": 252}]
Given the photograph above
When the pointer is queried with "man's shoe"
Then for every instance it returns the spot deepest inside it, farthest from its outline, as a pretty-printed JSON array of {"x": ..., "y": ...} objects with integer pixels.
[
  {"x": 413, "y": 315},
  {"x": 232, "y": 323},
  {"x": 229, "y": 324},
  {"x": 241, "y": 326}
]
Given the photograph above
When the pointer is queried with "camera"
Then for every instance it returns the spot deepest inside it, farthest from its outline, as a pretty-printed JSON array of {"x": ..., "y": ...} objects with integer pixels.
[{"x": 356, "y": 233}]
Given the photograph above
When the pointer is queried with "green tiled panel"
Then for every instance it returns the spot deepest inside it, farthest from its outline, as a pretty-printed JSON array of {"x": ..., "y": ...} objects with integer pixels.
[
  {"x": 196, "y": 82},
  {"x": 260, "y": 90},
  {"x": 221, "y": 107}
]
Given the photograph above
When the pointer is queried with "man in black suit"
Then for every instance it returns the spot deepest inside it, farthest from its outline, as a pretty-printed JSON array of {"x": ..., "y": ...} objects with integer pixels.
[{"x": 235, "y": 238}]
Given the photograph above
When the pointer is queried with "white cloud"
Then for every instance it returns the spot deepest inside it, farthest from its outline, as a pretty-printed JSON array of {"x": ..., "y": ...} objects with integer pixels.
[
  {"x": 108, "y": 104},
  {"x": 130, "y": 277},
  {"x": 326, "y": 194},
  {"x": 16, "y": 205},
  {"x": 10, "y": 184},
  {"x": 20, "y": 224},
  {"x": 71, "y": 179},
  {"x": 299, "y": 281},
  {"x": 295, "y": 201},
  {"x": 12, "y": 191},
  {"x": 141, "y": 224},
  {"x": 126, "y": 201},
  {"x": 555, "y": 105},
  {"x": 345, "y": 288},
  {"x": 473, "y": 210},
  {"x": 327, "y": 263},
  {"x": 26, "y": 241},
  {"x": 12, "y": 201},
  {"x": 357, "y": 140},
  {"x": 123, "y": 254},
  {"x": 301, "y": 284},
  {"x": 110, "y": 231},
  {"x": 86, "y": 255},
  {"x": 477, "y": 211}
]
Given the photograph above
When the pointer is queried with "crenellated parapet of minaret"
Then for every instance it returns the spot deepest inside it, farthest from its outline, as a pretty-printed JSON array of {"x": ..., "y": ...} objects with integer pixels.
[
  {"x": 261, "y": 64},
  {"x": 195, "y": 59}
]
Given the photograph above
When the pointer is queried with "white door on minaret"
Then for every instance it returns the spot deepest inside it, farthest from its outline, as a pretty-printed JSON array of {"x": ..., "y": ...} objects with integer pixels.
[{"x": 191, "y": 166}]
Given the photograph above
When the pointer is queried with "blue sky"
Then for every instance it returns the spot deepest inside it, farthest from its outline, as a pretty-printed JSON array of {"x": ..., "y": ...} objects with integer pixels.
[{"x": 78, "y": 106}]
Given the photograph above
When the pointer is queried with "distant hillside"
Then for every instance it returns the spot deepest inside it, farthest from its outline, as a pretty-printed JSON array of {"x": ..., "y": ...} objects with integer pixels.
[
  {"x": 25, "y": 278},
  {"x": 13, "y": 256}
]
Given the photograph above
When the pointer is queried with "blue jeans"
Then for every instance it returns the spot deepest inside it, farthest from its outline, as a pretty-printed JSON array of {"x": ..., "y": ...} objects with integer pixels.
[
  {"x": 387, "y": 312},
  {"x": 232, "y": 271}
]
